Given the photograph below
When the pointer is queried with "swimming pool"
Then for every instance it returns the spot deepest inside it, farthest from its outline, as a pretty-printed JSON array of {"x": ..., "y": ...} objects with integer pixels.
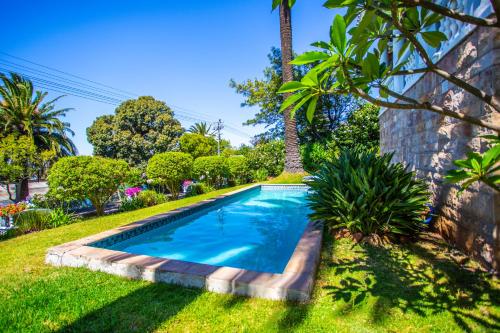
[
  {"x": 256, "y": 241},
  {"x": 256, "y": 230}
]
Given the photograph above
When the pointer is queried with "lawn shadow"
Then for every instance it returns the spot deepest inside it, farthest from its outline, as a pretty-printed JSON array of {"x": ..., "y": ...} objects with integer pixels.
[
  {"x": 294, "y": 315},
  {"x": 419, "y": 279},
  {"x": 143, "y": 310}
]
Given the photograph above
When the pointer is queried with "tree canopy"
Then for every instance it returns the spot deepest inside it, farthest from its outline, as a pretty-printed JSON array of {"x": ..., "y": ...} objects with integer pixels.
[
  {"x": 197, "y": 145},
  {"x": 139, "y": 129}
]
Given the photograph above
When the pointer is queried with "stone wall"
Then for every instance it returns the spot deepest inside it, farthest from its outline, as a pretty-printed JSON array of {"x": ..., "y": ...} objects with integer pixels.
[{"x": 428, "y": 142}]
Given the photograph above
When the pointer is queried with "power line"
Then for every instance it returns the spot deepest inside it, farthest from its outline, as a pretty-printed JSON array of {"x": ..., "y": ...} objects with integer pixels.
[{"x": 111, "y": 95}]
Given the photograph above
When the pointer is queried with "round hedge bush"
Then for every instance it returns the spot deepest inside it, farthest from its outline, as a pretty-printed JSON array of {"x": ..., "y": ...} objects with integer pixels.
[
  {"x": 170, "y": 169},
  {"x": 366, "y": 193},
  {"x": 238, "y": 169},
  {"x": 87, "y": 177},
  {"x": 211, "y": 169}
]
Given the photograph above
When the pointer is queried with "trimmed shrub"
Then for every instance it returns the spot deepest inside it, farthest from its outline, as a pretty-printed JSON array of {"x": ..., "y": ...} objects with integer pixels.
[
  {"x": 150, "y": 198},
  {"x": 364, "y": 192},
  {"x": 238, "y": 169},
  {"x": 170, "y": 169},
  {"x": 87, "y": 177},
  {"x": 39, "y": 219},
  {"x": 211, "y": 169}
]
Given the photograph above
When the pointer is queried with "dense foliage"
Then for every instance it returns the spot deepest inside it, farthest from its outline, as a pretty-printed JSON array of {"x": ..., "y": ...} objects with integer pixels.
[
  {"x": 263, "y": 93},
  {"x": 87, "y": 177},
  {"x": 170, "y": 169},
  {"x": 360, "y": 129},
  {"x": 197, "y": 145},
  {"x": 239, "y": 172},
  {"x": 364, "y": 192},
  {"x": 24, "y": 112},
  {"x": 139, "y": 129},
  {"x": 269, "y": 156},
  {"x": 211, "y": 169},
  {"x": 18, "y": 160}
]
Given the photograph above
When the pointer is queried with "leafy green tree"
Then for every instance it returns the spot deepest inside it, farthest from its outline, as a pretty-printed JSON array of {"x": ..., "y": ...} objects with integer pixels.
[
  {"x": 197, "y": 145},
  {"x": 293, "y": 161},
  {"x": 331, "y": 111},
  {"x": 202, "y": 128},
  {"x": 87, "y": 177},
  {"x": 211, "y": 169},
  {"x": 23, "y": 112},
  {"x": 353, "y": 57},
  {"x": 139, "y": 129},
  {"x": 170, "y": 169},
  {"x": 269, "y": 156},
  {"x": 361, "y": 129},
  {"x": 19, "y": 161}
]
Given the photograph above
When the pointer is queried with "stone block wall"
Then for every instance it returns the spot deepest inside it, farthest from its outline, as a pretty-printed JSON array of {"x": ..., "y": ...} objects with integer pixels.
[{"x": 428, "y": 142}]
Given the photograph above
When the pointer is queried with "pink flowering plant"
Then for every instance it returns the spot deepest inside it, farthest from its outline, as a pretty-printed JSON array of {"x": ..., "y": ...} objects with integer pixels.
[{"x": 132, "y": 191}]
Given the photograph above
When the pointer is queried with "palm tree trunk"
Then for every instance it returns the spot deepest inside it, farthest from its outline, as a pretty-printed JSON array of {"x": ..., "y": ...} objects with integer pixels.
[{"x": 293, "y": 161}]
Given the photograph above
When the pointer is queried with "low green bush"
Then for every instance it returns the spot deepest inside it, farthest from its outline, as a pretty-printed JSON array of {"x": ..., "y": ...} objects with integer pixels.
[
  {"x": 39, "y": 219},
  {"x": 197, "y": 189},
  {"x": 269, "y": 156},
  {"x": 170, "y": 169},
  {"x": 260, "y": 175},
  {"x": 239, "y": 171},
  {"x": 130, "y": 204},
  {"x": 366, "y": 193},
  {"x": 150, "y": 198},
  {"x": 212, "y": 170}
]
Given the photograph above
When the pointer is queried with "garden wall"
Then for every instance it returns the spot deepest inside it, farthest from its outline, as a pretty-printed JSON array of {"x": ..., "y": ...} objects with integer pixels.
[{"x": 428, "y": 142}]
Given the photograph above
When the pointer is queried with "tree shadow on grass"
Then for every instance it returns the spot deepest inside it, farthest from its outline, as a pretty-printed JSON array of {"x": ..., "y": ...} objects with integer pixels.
[
  {"x": 294, "y": 315},
  {"x": 419, "y": 279},
  {"x": 143, "y": 310}
]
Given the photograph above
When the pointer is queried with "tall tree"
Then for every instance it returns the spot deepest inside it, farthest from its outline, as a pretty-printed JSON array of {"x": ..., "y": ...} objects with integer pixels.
[
  {"x": 24, "y": 113},
  {"x": 293, "y": 161},
  {"x": 139, "y": 129},
  {"x": 202, "y": 128},
  {"x": 331, "y": 111}
]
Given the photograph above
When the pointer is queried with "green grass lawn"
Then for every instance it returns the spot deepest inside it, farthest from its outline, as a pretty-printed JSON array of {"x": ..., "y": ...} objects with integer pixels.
[{"x": 359, "y": 289}]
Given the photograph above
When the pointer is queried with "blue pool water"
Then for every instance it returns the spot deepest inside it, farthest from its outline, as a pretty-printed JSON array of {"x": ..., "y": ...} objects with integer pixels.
[{"x": 256, "y": 230}]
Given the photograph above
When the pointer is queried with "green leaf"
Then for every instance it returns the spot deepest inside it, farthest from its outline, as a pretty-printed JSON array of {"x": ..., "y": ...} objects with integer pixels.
[
  {"x": 363, "y": 25},
  {"x": 309, "y": 57},
  {"x": 290, "y": 87},
  {"x": 370, "y": 66},
  {"x": 322, "y": 45},
  {"x": 383, "y": 93},
  {"x": 491, "y": 156},
  {"x": 299, "y": 105},
  {"x": 476, "y": 166},
  {"x": 310, "y": 79},
  {"x": 338, "y": 33},
  {"x": 433, "y": 38},
  {"x": 291, "y": 3},
  {"x": 293, "y": 99},
  {"x": 276, "y": 3},
  {"x": 311, "y": 109},
  {"x": 338, "y": 3}
]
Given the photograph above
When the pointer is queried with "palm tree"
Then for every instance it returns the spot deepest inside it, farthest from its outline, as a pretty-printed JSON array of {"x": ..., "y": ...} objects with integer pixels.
[
  {"x": 23, "y": 112},
  {"x": 293, "y": 162},
  {"x": 202, "y": 128}
]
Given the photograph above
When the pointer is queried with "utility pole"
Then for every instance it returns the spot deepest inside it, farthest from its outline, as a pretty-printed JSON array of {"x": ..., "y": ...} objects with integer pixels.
[{"x": 218, "y": 127}]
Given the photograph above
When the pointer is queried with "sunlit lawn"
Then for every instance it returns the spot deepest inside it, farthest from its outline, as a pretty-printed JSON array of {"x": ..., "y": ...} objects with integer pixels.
[{"x": 359, "y": 289}]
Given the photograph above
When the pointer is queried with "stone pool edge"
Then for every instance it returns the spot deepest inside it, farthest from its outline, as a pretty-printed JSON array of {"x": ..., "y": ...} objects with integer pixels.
[{"x": 295, "y": 283}]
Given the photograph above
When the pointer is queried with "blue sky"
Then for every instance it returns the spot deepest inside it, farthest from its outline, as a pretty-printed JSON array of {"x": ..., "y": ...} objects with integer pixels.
[{"x": 183, "y": 53}]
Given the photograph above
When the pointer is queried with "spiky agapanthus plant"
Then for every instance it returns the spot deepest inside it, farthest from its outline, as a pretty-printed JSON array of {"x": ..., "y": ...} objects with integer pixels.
[{"x": 364, "y": 192}]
